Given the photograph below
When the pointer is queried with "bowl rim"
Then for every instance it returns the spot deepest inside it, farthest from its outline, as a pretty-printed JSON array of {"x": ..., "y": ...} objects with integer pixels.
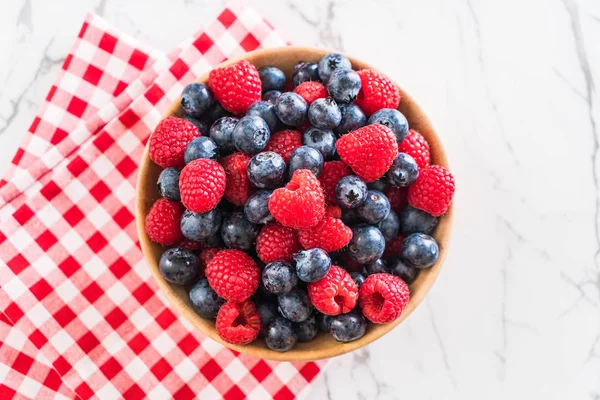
[{"x": 445, "y": 222}]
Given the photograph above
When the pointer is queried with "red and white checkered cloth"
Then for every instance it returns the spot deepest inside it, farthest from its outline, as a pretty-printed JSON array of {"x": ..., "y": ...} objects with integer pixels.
[{"x": 80, "y": 316}]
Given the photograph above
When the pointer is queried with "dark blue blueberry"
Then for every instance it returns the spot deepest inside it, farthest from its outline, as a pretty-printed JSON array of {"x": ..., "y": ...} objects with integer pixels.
[
  {"x": 344, "y": 85},
  {"x": 280, "y": 335},
  {"x": 322, "y": 140},
  {"x": 256, "y": 208},
  {"x": 324, "y": 113},
  {"x": 367, "y": 244},
  {"x": 205, "y": 300},
  {"x": 201, "y": 125},
  {"x": 330, "y": 63},
  {"x": 213, "y": 241},
  {"x": 198, "y": 227},
  {"x": 168, "y": 184},
  {"x": 305, "y": 71},
  {"x": 393, "y": 119},
  {"x": 419, "y": 250},
  {"x": 358, "y": 278},
  {"x": 312, "y": 265},
  {"x": 390, "y": 226},
  {"x": 350, "y": 216},
  {"x": 196, "y": 99},
  {"x": 266, "y": 111},
  {"x": 404, "y": 170},
  {"x": 413, "y": 220},
  {"x": 251, "y": 134},
  {"x": 294, "y": 305},
  {"x": 271, "y": 96},
  {"x": 353, "y": 118},
  {"x": 279, "y": 277},
  {"x": 268, "y": 312},
  {"x": 348, "y": 327},
  {"x": 291, "y": 109},
  {"x": 305, "y": 157},
  {"x": 271, "y": 78},
  {"x": 266, "y": 170},
  {"x": 306, "y": 330},
  {"x": 237, "y": 232},
  {"x": 323, "y": 321},
  {"x": 376, "y": 267},
  {"x": 400, "y": 269},
  {"x": 200, "y": 147},
  {"x": 215, "y": 112},
  {"x": 179, "y": 266},
  {"x": 221, "y": 132},
  {"x": 379, "y": 184},
  {"x": 350, "y": 191},
  {"x": 375, "y": 208}
]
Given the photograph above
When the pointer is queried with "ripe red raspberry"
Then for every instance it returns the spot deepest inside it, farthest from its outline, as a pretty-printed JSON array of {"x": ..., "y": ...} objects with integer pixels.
[
  {"x": 369, "y": 151},
  {"x": 377, "y": 92},
  {"x": 201, "y": 185},
  {"x": 239, "y": 188},
  {"x": 284, "y": 143},
  {"x": 276, "y": 242},
  {"x": 335, "y": 294},
  {"x": 332, "y": 172},
  {"x": 310, "y": 91},
  {"x": 238, "y": 323},
  {"x": 383, "y": 297},
  {"x": 333, "y": 211},
  {"x": 392, "y": 248},
  {"x": 330, "y": 235},
  {"x": 301, "y": 203},
  {"x": 433, "y": 190},
  {"x": 397, "y": 197},
  {"x": 205, "y": 256},
  {"x": 415, "y": 145},
  {"x": 233, "y": 274},
  {"x": 190, "y": 245},
  {"x": 169, "y": 140},
  {"x": 236, "y": 87},
  {"x": 162, "y": 222}
]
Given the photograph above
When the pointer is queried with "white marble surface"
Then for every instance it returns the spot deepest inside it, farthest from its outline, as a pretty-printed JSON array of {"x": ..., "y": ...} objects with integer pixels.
[{"x": 513, "y": 88}]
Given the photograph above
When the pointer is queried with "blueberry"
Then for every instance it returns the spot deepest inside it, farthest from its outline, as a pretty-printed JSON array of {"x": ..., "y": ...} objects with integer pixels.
[
  {"x": 404, "y": 170},
  {"x": 419, "y": 250},
  {"x": 350, "y": 191},
  {"x": 312, "y": 265},
  {"x": 271, "y": 96},
  {"x": 205, "y": 300},
  {"x": 390, "y": 226},
  {"x": 201, "y": 125},
  {"x": 306, "y": 330},
  {"x": 305, "y": 157},
  {"x": 179, "y": 266},
  {"x": 215, "y": 112},
  {"x": 358, "y": 278},
  {"x": 305, "y": 71},
  {"x": 200, "y": 147},
  {"x": 330, "y": 63},
  {"x": 221, "y": 132},
  {"x": 400, "y": 269},
  {"x": 268, "y": 312},
  {"x": 413, "y": 220},
  {"x": 324, "y": 113},
  {"x": 256, "y": 209},
  {"x": 367, "y": 244},
  {"x": 393, "y": 119},
  {"x": 291, "y": 109},
  {"x": 280, "y": 335},
  {"x": 344, "y": 85},
  {"x": 323, "y": 321},
  {"x": 271, "y": 78},
  {"x": 322, "y": 140},
  {"x": 350, "y": 216},
  {"x": 266, "y": 111},
  {"x": 376, "y": 267},
  {"x": 237, "y": 232},
  {"x": 375, "y": 208},
  {"x": 198, "y": 227},
  {"x": 353, "y": 118},
  {"x": 251, "y": 134},
  {"x": 213, "y": 241},
  {"x": 379, "y": 184},
  {"x": 279, "y": 277},
  {"x": 348, "y": 327},
  {"x": 294, "y": 305},
  {"x": 168, "y": 184},
  {"x": 196, "y": 99},
  {"x": 266, "y": 170}
]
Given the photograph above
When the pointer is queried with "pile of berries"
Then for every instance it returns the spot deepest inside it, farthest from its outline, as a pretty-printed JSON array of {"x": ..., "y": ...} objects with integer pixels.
[{"x": 290, "y": 212}]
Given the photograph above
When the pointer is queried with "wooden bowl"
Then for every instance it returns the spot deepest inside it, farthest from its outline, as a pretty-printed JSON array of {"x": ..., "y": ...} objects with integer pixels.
[{"x": 323, "y": 346}]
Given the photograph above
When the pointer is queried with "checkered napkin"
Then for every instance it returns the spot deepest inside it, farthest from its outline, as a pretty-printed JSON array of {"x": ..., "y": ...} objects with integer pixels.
[{"x": 80, "y": 316}]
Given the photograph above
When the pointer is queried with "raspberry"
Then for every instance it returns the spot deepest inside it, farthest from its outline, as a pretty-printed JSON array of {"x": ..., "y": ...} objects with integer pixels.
[
  {"x": 202, "y": 184},
  {"x": 392, "y": 248},
  {"x": 433, "y": 190},
  {"x": 284, "y": 143},
  {"x": 236, "y": 87},
  {"x": 383, "y": 297},
  {"x": 331, "y": 174},
  {"x": 369, "y": 151},
  {"x": 276, "y": 243},
  {"x": 190, "y": 245},
  {"x": 335, "y": 294},
  {"x": 205, "y": 256},
  {"x": 238, "y": 323},
  {"x": 377, "y": 92},
  {"x": 169, "y": 140},
  {"x": 162, "y": 222},
  {"x": 397, "y": 197},
  {"x": 330, "y": 235},
  {"x": 301, "y": 203},
  {"x": 310, "y": 91},
  {"x": 333, "y": 211},
  {"x": 238, "y": 188},
  {"x": 233, "y": 275},
  {"x": 415, "y": 145}
]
